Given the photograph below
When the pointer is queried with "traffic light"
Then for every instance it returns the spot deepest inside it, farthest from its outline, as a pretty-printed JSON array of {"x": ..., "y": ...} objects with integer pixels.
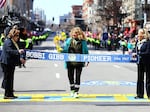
[{"x": 53, "y": 19}]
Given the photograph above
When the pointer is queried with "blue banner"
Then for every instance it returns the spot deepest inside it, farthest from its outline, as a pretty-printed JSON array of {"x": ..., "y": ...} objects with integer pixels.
[{"x": 79, "y": 57}]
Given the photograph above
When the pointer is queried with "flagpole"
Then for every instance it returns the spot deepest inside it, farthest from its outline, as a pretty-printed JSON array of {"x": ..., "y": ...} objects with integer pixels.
[{"x": 2, "y": 3}]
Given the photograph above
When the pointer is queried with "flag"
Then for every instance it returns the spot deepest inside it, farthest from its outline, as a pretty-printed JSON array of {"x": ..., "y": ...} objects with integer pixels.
[{"x": 2, "y": 3}]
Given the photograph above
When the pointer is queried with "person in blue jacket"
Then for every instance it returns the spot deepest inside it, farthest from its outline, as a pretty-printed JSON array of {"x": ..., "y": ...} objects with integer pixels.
[
  {"x": 75, "y": 68},
  {"x": 10, "y": 57},
  {"x": 143, "y": 63}
]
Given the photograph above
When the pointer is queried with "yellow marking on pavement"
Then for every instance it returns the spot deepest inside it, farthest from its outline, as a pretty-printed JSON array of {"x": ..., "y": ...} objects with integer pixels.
[
  {"x": 36, "y": 100},
  {"x": 70, "y": 99},
  {"x": 121, "y": 98},
  {"x": 37, "y": 97},
  {"x": 5, "y": 100}
]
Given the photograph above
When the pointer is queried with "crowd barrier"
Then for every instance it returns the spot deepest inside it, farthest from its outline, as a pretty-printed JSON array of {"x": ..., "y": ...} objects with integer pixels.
[{"x": 36, "y": 54}]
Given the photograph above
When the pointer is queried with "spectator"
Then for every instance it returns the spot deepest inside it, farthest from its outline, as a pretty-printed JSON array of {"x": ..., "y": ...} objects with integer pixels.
[
  {"x": 10, "y": 57},
  {"x": 143, "y": 65}
]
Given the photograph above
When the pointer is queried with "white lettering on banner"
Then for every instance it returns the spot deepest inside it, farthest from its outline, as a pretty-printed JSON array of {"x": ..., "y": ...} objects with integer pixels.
[
  {"x": 35, "y": 55},
  {"x": 121, "y": 58},
  {"x": 97, "y": 58},
  {"x": 56, "y": 57},
  {"x": 125, "y": 58},
  {"x": 117, "y": 58}
]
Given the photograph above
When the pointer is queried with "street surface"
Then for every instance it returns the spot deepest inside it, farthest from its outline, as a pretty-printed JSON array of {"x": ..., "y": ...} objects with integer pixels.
[{"x": 43, "y": 87}]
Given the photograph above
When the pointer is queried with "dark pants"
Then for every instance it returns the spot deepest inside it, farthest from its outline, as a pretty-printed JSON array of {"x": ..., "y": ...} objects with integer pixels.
[
  {"x": 8, "y": 80},
  {"x": 147, "y": 69},
  {"x": 142, "y": 68},
  {"x": 74, "y": 84}
]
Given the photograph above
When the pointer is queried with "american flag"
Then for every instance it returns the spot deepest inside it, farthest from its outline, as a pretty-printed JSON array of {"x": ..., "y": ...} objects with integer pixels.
[{"x": 2, "y": 3}]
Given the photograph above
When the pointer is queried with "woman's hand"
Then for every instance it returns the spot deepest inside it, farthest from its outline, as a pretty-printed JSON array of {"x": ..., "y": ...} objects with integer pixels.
[
  {"x": 21, "y": 51},
  {"x": 134, "y": 55},
  {"x": 86, "y": 64}
]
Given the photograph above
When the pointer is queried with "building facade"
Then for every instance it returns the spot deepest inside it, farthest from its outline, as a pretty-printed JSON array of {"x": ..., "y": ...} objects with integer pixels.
[{"x": 115, "y": 13}]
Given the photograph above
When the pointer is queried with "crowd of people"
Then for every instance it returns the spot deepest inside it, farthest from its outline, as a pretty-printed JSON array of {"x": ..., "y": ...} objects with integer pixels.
[{"x": 112, "y": 41}]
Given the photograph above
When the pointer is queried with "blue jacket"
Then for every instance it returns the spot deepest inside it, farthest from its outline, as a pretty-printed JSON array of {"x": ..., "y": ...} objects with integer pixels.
[
  {"x": 67, "y": 44},
  {"x": 10, "y": 55},
  {"x": 145, "y": 52}
]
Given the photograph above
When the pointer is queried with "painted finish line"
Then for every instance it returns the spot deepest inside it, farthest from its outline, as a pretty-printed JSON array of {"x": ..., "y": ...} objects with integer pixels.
[
  {"x": 79, "y": 57},
  {"x": 82, "y": 98}
]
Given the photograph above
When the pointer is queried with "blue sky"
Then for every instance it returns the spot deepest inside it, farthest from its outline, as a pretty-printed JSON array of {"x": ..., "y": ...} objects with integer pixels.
[{"x": 56, "y": 8}]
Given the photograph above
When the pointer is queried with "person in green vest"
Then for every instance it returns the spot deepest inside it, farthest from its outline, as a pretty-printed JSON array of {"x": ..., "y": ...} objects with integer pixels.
[
  {"x": 124, "y": 45},
  {"x": 2, "y": 38},
  {"x": 109, "y": 44},
  {"x": 22, "y": 43}
]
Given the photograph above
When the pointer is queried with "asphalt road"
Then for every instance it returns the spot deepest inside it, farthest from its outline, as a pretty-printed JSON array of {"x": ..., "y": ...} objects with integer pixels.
[{"x": 43, "y": 87}]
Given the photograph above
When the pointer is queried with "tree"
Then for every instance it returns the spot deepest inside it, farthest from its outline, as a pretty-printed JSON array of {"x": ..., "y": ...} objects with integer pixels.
[{"x": 112, "y": 9}]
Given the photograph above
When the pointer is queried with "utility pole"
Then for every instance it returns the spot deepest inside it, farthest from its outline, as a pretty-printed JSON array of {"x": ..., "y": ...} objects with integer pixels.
[
  {"x": 145, "y": 12},
  {"x": 28, "y": 8}
]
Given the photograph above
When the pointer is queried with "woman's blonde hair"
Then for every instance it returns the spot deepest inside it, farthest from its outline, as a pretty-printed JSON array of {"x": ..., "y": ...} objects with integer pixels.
[
  {"x": 13, "y": 32},
  {"x": 144, "y": 33},
  {"x": 77, "y": 32}
]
